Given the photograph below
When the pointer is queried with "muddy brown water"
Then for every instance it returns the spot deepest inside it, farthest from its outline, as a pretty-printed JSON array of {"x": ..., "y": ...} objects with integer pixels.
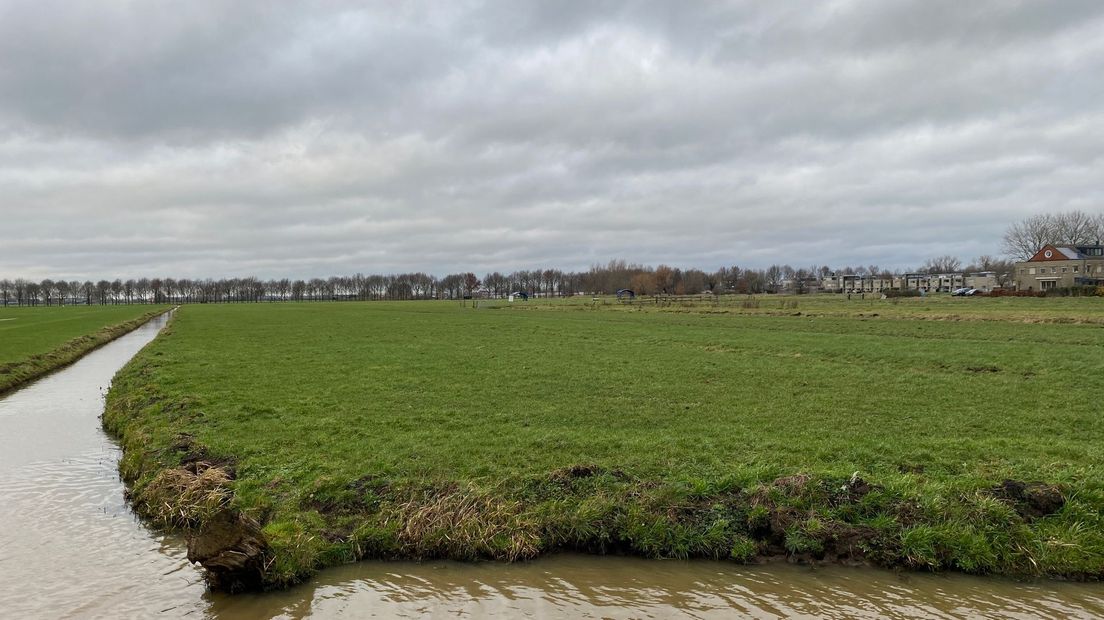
[{"x": 70, "y": 548}]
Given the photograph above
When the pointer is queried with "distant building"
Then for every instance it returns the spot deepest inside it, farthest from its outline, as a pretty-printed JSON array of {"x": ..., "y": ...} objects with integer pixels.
[
  {"x": 854, "y": 283},
  {"x": 809, "y": 285},
  {"x": 932, "y": 282},
  {"x": 984, "y": 281},
  {"x": 1061, "y": 266}
]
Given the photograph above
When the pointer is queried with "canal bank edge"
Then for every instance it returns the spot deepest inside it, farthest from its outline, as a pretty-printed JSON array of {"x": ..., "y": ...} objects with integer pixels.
[
  {"x": 17, "y": 374},
  {"x": 1014, "y": 528}
]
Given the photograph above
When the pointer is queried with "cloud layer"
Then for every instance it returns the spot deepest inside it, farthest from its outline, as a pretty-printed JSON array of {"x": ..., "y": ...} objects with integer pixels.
[{"x": 258, "y": 138}]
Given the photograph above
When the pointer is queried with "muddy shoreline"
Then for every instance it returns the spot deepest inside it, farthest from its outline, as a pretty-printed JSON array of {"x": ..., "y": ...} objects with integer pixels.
[{"x": 778, "y": 522}]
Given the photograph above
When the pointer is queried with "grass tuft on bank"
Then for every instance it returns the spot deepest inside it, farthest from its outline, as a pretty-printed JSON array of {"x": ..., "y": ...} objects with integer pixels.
[
  {"x": 38, "y": 340},
  {"x": 335, "y": 432}
]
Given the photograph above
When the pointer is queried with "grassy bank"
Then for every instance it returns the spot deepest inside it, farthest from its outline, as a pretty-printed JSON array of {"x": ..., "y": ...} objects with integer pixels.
[
  {"x": 35, "y": 341},
  {"x": 315, "y": 434}
]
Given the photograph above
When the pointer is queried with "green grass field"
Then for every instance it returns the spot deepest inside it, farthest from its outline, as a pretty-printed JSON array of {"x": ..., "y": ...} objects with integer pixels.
[
  {"x": 856, "y": 430},
  {"x": 34, "y": 341}
]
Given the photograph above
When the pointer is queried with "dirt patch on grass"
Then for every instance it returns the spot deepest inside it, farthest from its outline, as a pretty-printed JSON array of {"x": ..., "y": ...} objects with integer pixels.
[
  {"x": 572, "y": 473},
  {"x": 1031, "y": 500},
  {"x": 197, "y": 458}
]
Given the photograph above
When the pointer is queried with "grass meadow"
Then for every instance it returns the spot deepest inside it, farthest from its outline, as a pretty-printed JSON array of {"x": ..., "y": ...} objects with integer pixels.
[
  {"x": 931, "y": 433},
  {"x": 34, "y": 341}
]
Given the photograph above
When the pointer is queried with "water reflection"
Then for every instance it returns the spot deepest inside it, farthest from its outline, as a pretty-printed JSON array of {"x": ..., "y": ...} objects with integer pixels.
[
  {"x": 69, "y": 546},
  {"x": 572, "y": 586}
]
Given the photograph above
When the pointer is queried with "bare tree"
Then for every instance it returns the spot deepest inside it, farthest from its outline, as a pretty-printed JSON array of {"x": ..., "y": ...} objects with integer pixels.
[
  {"x": 773, "y": 277},
  {"x": 63, "y": 290},
  {"x": 46, "y": 291},
  {"x": 471, "y": 282},
  {"x": 664, "y": 279},
  {"x": 942, "y": 264},
  {"x": 496, "y": 283},
  {"x": 1023, "y": 239}
]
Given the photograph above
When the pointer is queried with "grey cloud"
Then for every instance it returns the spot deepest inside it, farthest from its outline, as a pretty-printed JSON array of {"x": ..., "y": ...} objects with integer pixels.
[{"x": 301, "y": 139}]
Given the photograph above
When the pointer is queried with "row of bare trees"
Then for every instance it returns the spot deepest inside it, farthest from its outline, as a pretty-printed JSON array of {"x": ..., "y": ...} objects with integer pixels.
[
  {"x": 599, "y": 279},
  {"x": 1021, "y": 241}
]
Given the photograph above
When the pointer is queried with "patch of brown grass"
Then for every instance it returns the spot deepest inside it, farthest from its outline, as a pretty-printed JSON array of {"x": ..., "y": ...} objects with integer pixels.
[
  {"x": 184, "y": 496},
  {"x": 462, "y": 523}
]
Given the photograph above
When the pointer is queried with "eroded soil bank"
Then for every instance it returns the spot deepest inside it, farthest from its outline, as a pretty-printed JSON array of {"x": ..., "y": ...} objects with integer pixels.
[{"x": 1003, "y": 530}]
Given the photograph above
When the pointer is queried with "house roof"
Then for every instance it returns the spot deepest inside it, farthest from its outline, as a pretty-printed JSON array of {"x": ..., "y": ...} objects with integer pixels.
[
  {"x": 1066, "y": 252},
  {"x": 1056, "y": 252}
]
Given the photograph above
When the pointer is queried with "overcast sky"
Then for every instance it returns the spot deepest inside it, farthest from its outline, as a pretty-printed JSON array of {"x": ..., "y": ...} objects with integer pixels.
[{"x": 195, "y": 139}]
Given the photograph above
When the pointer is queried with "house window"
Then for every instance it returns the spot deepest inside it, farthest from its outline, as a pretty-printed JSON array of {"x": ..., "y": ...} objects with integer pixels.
[
  {"x": 1031, "y": 271},
  {"x": 1064, "y": 269},
  {"x": 1047, "y": 285},
  {"x": 1075, "y": 268}
]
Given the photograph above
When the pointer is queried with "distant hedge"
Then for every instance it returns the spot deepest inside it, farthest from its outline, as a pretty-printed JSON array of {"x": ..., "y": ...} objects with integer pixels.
[
  {"x": 1065, "y": 291},
  {"x": 1077, "y": 291},
  {"x": 911, "y": 292},
  {"x": 1005, "y": 292}
]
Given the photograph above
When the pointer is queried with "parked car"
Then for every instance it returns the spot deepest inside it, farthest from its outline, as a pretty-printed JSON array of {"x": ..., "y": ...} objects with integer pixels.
[
  {"x": 971, "y": 292},
  {"x": 958, "y": 292}
]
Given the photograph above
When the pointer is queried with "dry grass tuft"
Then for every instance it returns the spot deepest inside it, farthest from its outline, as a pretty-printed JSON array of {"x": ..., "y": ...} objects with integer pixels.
[
  {"x": 462, "y": 523},
  {"x": 184, "y": 497}
]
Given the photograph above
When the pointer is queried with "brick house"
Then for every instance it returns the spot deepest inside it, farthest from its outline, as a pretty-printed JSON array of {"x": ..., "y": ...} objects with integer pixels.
[{"x": 1061, "y": 266}]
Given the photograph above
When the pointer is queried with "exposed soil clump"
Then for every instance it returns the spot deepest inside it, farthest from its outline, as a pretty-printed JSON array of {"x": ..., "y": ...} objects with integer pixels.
[
  {"x": 196, "y": 458},
  {"x": 852, "y": 491},
  {"x": 195, "y": 497},
  {"x": 232, "y": 549},
  {"x": 566, "y": 475},
  {"x": 1031, "y": 500}
]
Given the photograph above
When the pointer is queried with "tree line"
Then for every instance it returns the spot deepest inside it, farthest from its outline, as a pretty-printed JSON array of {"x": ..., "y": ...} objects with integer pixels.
[
  {"x": 1021, "y": 241},
  {"x": 598, "y": 280}
]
